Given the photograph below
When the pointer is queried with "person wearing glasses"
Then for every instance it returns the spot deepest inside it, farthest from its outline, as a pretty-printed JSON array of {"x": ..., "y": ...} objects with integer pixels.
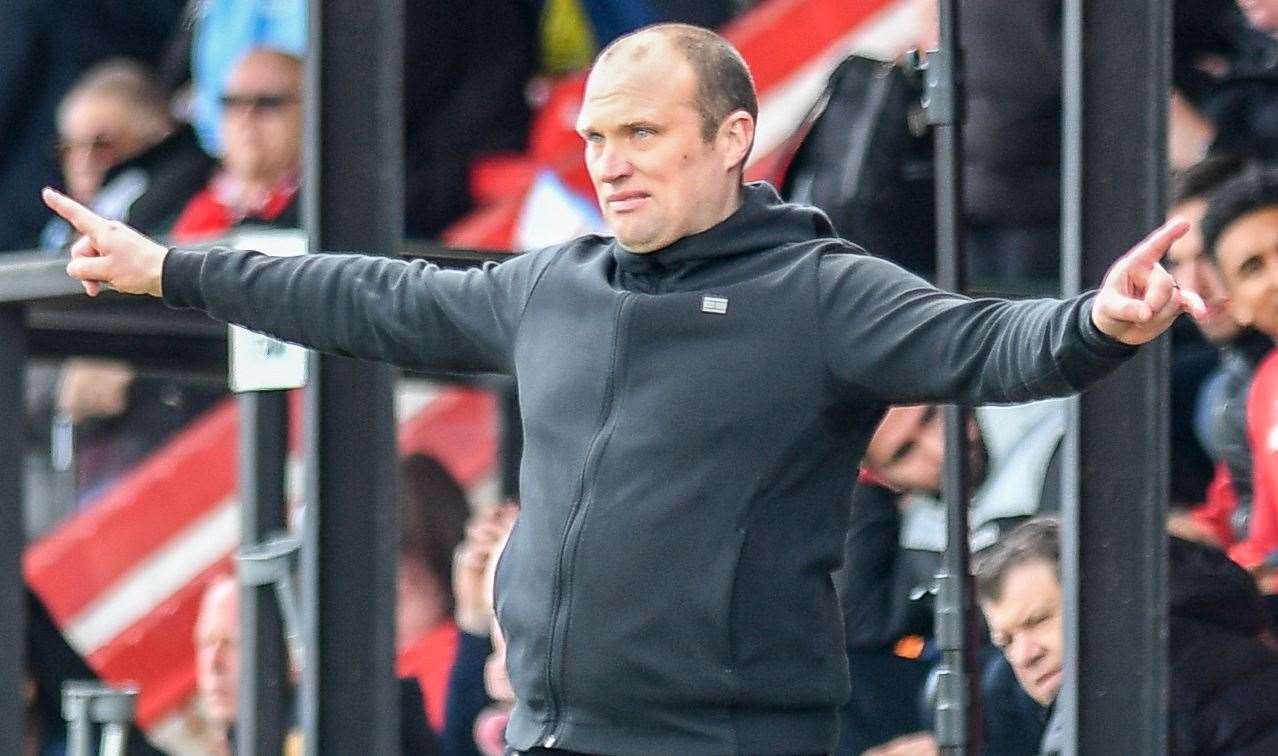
[
  {"x": 262, "y": 140},
  {"x": 122, "y": 153}
]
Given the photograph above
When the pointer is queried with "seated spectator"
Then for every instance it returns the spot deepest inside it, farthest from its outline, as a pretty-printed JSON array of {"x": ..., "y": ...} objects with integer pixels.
[
  {"x": 220, "y": 33},
  {"x": 896, "y": 533},
  {"x": 262, "y": 141},
  {"x": 1223, "y": 668},
  {"x": 217, "y": 658},
  {"x": 474, "y": 725},
  {"x": 45, "y": 48},
  {"x": 433, "y": 513},
  {"x": 122, "y": 153},
  {"x": 217, "y": 675},
  {"x": 1240, "y": 232}
]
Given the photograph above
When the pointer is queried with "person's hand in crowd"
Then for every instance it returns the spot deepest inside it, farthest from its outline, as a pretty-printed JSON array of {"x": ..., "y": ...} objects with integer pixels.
[
  {"x": 472, "y": 592},
  {"x": 1138, "y": 299},
  {"x": 109, "y": 253},
  {"x": 92, "y": 388},
  {"x": 914, "y": 744}
]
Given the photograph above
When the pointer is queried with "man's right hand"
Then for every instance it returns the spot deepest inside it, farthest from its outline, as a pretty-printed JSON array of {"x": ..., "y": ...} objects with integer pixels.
[{"x": 109, "y": 252}]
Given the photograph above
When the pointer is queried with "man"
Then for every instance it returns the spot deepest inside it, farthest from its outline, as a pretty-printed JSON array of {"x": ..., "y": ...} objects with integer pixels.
[
  {"x": 1222, "y": 663},
  {"x": 123, "y": 154},
  {"x": 1240, "y": 231},
  {"x": 1220, "y": 416},
  {"x": 895, "y": 538},
  {"x": 217, "y": 661},
  {"x": 217, "y": 677},
  {"x": 694, "y": 392},
  {"x": 262, "y": 139}
]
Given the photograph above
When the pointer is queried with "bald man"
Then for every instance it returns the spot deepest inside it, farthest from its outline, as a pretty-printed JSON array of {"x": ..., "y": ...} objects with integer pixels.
[{"x": 696, "y": 391}]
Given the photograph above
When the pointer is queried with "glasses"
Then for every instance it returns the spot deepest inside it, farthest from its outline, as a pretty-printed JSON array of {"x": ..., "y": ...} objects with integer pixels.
[
  {"x": 98, "y": 144},
  {"x": 264, "y": 103}
]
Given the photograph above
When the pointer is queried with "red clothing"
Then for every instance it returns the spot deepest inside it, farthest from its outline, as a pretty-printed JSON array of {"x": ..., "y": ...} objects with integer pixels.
[
  {"x": 1262, "y": 432},
  {"x": 1217, "y": 511},
  {"x": 430, "y": 660},
  {"x": 213, "y": 212}
]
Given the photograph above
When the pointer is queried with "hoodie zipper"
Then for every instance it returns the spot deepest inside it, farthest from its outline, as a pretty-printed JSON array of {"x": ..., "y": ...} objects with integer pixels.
[{"x": 572, "y": 530}]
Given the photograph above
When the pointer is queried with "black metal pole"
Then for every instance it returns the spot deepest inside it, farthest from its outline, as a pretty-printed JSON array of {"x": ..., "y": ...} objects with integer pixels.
[
  {"x": 958, "y": 711},
  {"x": 1114, "y": 695},
  {"x": 13, "y": 609},
  {"x": 353, "y": 199},
  {"x": 512, "y": 439},
  {"x": 263, "y": 715}
]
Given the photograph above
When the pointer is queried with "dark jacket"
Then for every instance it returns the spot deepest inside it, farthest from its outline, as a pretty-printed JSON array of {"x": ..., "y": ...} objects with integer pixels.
[
  {"x": 1238, "y": 364},
  {"x": 692, "y": 422},
  {"x": 1223, "y": 672},
  {"x": 44, "y": 47},
  {"x": 149, "y": 190},
  {"x": 1012, "y": 131}
]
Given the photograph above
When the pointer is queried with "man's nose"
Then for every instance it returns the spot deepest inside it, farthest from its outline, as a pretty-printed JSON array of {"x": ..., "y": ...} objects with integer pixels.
[
  {"x": 1024, "y": 652},
  {"x": 614, "y": 163},
  {"x": 221, "y": 656}
]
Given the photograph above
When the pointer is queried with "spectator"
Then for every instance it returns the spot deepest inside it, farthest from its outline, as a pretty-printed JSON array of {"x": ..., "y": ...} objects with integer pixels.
[
  {"x": 1240, "y": 232},
  {"x": 433, "y": 512},
  {"x": 44, "y": 48},
  {"x": 1220, "y": 415},
  {"x": 896, "y": 533},
  {"x": 1223, "y": 668},
  {"x": 223, "y": 33},
  {"x": 217, "y": 660},
  {"x": 262, "y": 131},
  {"x": 114, "y": 112},
  {"x": 470, "y": 718},
  {"x": 217, "y": 674},
  {"x": 123, "y": 154}
]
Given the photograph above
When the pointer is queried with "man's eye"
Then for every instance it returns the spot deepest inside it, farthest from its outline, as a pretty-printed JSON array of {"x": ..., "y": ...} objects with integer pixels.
[
  {"x": 902, "y": 451},
  {"x": 644, "y": 133}
]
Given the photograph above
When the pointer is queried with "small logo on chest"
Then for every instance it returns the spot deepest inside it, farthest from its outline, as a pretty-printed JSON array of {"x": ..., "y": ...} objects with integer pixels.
[{"x": 714, "y": 305}]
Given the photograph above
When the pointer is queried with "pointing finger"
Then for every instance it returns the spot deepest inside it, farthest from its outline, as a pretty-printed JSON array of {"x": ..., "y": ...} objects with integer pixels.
[
  {"x": 1153, "y": 247},
  {"x": 82, "y": 218}
]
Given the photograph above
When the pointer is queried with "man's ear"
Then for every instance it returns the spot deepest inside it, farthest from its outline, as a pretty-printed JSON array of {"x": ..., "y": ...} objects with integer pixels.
[{"x": 736, "y": 136}]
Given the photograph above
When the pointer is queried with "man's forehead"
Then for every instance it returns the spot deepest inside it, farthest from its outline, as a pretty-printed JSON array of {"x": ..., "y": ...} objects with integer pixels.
[{"x": 647, "y": 89}]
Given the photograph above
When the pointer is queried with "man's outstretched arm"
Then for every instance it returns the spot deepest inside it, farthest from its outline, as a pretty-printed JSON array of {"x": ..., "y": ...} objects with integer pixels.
[
  {"x": 411, "y": 314},
  {"x": 894, "y": 337}
]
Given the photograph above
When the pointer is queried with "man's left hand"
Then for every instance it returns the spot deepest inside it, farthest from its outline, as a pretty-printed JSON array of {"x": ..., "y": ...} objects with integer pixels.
[{"x": 1139, "y": 299}]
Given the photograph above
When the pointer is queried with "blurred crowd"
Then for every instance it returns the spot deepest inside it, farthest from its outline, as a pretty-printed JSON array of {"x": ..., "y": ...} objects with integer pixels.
[{"x": 184, "y": 119}]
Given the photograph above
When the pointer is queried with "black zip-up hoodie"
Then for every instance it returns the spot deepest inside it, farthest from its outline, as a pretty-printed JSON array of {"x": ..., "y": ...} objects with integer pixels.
[{"x": 693, "y": 421}]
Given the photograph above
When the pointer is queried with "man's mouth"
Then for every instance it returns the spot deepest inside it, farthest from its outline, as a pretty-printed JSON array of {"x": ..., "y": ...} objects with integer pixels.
[
  {"x": 1048, "y": 679},
  {"x": 622, "y": 202}
]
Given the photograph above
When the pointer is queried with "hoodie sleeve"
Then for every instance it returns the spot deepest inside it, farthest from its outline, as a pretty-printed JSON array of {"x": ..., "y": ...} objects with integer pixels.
[
  {"x": 413, "y": 314},
  {"x": 897, "y": 339}
]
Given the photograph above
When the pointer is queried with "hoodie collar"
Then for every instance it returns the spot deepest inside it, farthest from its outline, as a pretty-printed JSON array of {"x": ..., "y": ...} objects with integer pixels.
[{"x": 763, "y": 222}]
